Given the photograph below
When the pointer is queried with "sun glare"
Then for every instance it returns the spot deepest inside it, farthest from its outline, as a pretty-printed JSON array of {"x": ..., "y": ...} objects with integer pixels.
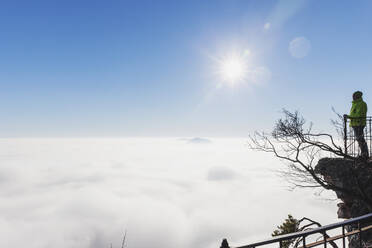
[{"x": 233, "y": 69}]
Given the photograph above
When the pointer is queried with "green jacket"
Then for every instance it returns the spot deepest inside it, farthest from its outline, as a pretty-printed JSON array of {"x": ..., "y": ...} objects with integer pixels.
[{"x": 358, "y": 111}]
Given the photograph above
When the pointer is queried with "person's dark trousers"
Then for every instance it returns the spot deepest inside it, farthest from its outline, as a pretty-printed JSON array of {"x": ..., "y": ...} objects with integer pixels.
[{"x": 359, "y": 135}]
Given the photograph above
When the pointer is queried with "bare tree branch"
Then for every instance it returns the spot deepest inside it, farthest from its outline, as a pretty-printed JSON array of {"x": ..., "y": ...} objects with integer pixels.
[{"x": 297, "y": 144}]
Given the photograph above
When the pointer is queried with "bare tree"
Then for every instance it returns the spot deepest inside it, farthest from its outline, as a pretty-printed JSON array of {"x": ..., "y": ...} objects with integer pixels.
[
  {"x": 123, "y": 243},
  {"x": 308, "y": 226},
  {"x": 294, "y": 141},
  {"x": 291, "y": 225},
  {"x": 124, "y": 239}
]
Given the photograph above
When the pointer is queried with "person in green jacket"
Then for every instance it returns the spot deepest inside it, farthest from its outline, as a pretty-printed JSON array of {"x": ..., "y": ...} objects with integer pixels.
[{"x": 357, "y": 116}]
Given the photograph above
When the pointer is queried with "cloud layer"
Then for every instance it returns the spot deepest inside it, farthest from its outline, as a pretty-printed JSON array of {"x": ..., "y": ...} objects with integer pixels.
[{"x": 165, "y": 192}]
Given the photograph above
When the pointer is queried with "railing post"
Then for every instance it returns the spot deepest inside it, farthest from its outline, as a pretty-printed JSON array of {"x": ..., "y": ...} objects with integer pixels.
[
  {"x": 304, "y": 241},
  {"x": 370, "y": 136},
  {"x": 360, "y": 234},
  {"x": 325, "y": 239},
  {"x": 345, "y": 134},
  {"x": 343, "y": 236},
  {"x": 225, "y": 244}
]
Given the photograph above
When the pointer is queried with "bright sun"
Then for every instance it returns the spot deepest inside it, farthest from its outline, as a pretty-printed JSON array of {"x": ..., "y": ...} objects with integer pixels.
[{"x": 233, "y": 69}]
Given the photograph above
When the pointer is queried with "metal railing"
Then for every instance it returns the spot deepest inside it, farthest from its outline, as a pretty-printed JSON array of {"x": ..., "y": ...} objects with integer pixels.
[
  {"x": 358, "y": 230},
  {"x": 351, "y": 146}
]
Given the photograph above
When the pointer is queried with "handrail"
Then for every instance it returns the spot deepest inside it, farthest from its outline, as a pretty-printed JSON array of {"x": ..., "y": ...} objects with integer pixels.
[
  {"x": 321, "y": 230},
  {"x": 337, "y": 237},
  {"x": 308, "y": 232}
]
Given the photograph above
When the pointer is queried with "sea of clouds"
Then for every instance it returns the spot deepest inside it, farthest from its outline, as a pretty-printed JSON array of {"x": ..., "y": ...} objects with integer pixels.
[{"x": 166, "y": 192}]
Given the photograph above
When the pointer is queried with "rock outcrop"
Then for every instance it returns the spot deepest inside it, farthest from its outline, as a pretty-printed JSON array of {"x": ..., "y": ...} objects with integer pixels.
[{"x": 354, "y": 178}]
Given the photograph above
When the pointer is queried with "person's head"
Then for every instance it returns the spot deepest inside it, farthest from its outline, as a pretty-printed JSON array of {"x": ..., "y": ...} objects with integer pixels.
[{"x": 357, "y": 95}]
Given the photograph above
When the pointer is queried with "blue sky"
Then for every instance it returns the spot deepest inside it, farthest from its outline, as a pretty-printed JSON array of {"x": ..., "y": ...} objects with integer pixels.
[{"x": 148, "y": 68}]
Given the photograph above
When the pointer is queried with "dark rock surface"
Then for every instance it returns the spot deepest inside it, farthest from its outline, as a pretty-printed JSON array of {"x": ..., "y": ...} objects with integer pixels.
[{"x": 355, "y": 177}]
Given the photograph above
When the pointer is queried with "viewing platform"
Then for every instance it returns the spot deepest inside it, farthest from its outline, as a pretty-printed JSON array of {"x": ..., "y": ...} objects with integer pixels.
[{"x": 351, "y": 146}]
